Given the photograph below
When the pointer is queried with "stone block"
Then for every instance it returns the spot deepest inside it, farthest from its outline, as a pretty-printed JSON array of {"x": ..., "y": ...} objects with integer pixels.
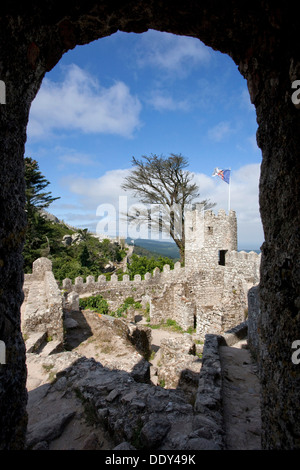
[
  {"x": 40, "y": 266},
  {"x": 52, "y": 347},
  {"x": 34, "y": 341},
  {"x": 73, "y": 301}
]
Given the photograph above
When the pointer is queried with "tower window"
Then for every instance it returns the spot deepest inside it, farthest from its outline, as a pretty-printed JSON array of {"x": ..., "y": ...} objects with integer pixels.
[{"x": 222, "y": 254}]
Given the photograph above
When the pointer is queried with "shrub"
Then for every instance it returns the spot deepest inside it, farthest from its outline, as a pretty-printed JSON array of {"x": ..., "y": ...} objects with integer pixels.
[
  {"x": 128, "y": 302},
  {"x": 96, "y": 303}
]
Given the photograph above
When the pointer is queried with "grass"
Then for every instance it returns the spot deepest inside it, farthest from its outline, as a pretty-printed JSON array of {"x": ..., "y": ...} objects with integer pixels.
[
  {"x": 151, "y": 357},
  {"x": 171, "y": 325},
  {"x": 52, "y": 375},
  {"x": 162, "y": 383},
  {"x": 106, "y": 349},
  {"x": 198, "y": 341}
]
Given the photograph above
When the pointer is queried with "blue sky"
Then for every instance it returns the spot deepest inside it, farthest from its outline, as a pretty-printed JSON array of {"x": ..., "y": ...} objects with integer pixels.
[{"x": 132, "y": 95}]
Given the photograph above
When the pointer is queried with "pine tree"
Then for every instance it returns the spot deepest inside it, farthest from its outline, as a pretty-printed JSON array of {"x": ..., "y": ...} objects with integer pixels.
[
  {"x": 85, "y": 257},
  {"x": 36, "y": 199},
  {"x": 35, "y": 184}
]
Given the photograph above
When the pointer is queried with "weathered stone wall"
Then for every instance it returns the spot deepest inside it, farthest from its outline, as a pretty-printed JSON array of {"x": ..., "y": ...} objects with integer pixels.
[
  {"x": 246, "y": 264},
  {"x": 174, "y": 303},
  {"x": 179, "y": 366},
  {"x": 181, "y": 293},
  {"x": 44, "y": 304},
  {"x": 209, "y": 393},
  {"x": 253, "y": 321},
  {"x": 167, "y": 276},
  {"x": 206, "y": 234}
]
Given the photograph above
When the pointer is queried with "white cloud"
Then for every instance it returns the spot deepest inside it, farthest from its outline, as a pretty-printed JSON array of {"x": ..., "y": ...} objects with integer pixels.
[
  {"x": 220, "y": 131},
  {"x": 161, "y": 101},
  {"x": 80, "y": 103},
  {"x": 69, "y": 158},
  {"x": 92, "y": 192},
  {"x": 172, "y": 53},
  {"x": 97, "y": 196}
]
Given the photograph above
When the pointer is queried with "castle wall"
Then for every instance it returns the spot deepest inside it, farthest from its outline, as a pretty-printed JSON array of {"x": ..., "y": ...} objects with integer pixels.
[
  {"x": 221, "y": 313},
  {"x": 246, "y": 265},
  {"x": 204, "y": 293},
  {"x": 173, "y": 303},
  {"x": 206, "y": 234},
  {"x": 44, "y": 304}
]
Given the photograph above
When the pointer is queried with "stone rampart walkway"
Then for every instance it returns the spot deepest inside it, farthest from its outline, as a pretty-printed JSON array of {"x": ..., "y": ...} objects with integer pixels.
[{"x": 241, "y": 400}]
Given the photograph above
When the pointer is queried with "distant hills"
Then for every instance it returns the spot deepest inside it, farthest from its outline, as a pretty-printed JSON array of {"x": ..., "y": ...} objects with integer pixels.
[
  {"x": 145, "y": 247},
  {"x": 155, "y": 248}
]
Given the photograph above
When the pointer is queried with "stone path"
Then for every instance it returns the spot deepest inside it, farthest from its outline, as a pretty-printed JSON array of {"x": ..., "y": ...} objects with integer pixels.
[{"x": 241, "y": 400}]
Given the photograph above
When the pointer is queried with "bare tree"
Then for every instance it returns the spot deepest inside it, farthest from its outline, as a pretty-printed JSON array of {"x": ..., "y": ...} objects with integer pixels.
[{"x": 165, "y": 185}]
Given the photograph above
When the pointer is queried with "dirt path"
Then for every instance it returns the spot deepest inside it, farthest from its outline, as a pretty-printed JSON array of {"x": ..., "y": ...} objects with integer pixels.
[{"x": 241, "y": 398}]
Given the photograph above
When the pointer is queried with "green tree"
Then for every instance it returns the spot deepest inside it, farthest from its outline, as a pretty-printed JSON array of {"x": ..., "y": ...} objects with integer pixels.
[
  {"x": 142, "y": 265},
  {"x": 85, "y": 257},
  {"x": 36, "y": 198},
  {"x": 166, "y": 185},
  {"x": 37, "y": 241}
]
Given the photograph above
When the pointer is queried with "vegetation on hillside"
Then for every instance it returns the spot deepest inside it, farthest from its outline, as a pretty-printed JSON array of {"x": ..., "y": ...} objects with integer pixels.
[
  {"x": 142, "y": 265},
  {"x": 155, "y": 249},
  {"x": 87, "y": 257}
]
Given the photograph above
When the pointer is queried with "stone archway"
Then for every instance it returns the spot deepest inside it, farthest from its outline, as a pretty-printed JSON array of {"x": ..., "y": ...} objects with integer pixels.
[{"x": 262, "y": 40}]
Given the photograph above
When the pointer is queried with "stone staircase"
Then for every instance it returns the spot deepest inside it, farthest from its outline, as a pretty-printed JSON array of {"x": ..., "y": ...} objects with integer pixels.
[{"x": 39, "y": 343}]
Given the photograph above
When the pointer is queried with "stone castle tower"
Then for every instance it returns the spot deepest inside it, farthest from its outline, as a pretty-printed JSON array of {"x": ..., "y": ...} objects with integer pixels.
[{"x": 208, "y": 237}]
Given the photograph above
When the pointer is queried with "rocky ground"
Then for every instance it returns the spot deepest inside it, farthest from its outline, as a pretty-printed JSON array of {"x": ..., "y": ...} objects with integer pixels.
[{"x": 103, "y": 387}]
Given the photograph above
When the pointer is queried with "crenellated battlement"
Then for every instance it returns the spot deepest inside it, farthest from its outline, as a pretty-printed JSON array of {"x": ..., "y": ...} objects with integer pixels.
[
  {"x": 242, "y": 255},
  {"x": 221, "y": 215},
  {"x": 166, "y": 276}
]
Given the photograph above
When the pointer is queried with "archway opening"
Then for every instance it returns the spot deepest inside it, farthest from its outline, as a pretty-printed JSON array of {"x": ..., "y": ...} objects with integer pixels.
[{"x": 132, "y": 94}]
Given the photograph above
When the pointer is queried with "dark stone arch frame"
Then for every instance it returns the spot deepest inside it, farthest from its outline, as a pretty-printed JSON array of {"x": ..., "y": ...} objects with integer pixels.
[{"x": 262, "y": 39}]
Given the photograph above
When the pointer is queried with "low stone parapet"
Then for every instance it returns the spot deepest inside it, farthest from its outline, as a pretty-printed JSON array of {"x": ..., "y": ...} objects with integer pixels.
[
  {"x": 253, "y": 321},
  {"x": 209, "y": 394},
  {"x": 237, "y": 333},
  {"x": 91, "y": 285}
]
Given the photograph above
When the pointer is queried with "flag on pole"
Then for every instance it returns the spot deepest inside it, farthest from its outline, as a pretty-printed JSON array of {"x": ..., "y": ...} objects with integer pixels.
[{"x": 223, "y": 174}]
